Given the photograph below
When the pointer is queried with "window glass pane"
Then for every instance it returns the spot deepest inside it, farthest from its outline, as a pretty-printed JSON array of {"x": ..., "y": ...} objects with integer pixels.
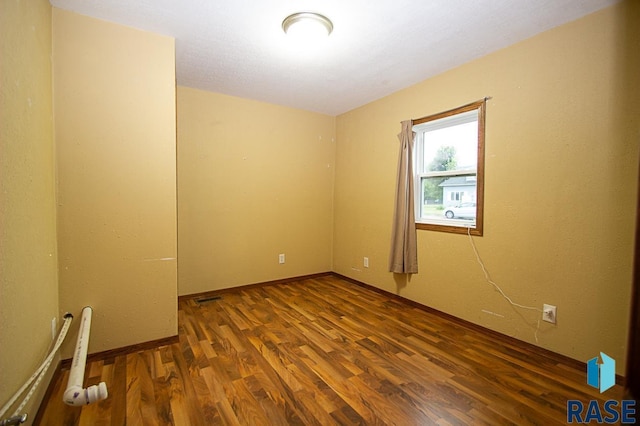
[
  {"x": 448, "y": 198},
  {"x": 451, "y": 148}
]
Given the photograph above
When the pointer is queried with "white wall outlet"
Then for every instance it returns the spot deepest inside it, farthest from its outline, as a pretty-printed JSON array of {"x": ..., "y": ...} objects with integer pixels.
[
  {"x": 366, "y": 262},
  {"x": 281, "y": 258},
  {"x": 54, "y": 327},
  {"x": 549, "y": 313}
]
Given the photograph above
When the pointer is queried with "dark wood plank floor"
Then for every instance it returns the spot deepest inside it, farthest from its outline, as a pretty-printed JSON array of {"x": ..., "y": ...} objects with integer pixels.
[{"x": 326, "y": 351}]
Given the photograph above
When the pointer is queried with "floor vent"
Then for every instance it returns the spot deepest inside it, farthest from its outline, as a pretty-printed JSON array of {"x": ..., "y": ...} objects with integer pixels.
[{"x": 207, "y": 299}]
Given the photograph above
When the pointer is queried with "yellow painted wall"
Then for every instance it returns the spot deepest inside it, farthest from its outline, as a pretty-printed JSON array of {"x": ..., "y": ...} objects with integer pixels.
[
  {"x": 562, "y": 145},
  {"x": 254, "y": 180},
  {"x": 28, "y": 258},
  {"x": 114, "y": 109}
]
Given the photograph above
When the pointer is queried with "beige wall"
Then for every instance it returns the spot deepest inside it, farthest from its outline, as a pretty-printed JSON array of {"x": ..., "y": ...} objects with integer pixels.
[
  {"x": 562, "y": 144},
  {"x": 254, "y": 180},
  {"x": 114, "y": 109},
  {"x": 28, "y": 258}
]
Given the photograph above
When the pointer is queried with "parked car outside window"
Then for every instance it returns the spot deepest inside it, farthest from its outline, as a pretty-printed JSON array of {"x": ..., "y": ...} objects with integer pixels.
[{"x": 462, "y": 210}]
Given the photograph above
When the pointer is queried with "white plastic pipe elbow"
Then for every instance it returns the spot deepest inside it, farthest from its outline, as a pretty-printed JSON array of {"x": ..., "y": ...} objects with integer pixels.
[{"x": 75, "y": 394}]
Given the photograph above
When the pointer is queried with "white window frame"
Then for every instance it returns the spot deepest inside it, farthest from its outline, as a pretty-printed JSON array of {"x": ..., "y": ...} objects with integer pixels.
[{"x": 456, "y": 116}]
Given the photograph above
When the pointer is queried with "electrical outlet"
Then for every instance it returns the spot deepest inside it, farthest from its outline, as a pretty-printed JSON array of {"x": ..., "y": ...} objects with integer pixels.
[
  {"x": 281, "y": 258},
  {"x": 549, "y": 313},
  {"x": 366, "y": 262}
]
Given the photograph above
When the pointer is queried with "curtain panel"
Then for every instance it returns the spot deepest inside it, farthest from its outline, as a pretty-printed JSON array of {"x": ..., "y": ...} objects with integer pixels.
[{"x": 403, "y": 258}]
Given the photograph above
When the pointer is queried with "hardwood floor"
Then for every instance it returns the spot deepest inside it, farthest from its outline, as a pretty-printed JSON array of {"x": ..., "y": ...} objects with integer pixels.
[{"x": 326, "y": 351}]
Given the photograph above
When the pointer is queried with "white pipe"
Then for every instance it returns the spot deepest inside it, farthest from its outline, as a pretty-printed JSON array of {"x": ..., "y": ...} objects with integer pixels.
[
  {"x": 75, "y": 393},
  {"x": 40, "y": 372}
]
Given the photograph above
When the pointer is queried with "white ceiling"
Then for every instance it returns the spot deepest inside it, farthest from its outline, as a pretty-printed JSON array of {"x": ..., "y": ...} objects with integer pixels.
[{"x": 237, "y": 47}]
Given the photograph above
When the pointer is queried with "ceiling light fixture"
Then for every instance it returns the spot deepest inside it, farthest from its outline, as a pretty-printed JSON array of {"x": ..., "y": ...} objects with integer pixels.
[{"x": 307, "y": 24}]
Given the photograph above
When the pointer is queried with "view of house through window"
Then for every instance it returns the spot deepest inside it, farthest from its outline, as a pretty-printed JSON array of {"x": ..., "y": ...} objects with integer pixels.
[{"x": 449, "y": 170}]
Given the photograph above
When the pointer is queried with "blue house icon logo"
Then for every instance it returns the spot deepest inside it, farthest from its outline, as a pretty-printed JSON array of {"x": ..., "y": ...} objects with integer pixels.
[{"x": 601, "y": 375}]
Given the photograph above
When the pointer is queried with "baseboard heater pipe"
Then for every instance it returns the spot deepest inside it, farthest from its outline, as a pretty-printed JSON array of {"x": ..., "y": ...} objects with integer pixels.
[{"x": 75, "y": 394}]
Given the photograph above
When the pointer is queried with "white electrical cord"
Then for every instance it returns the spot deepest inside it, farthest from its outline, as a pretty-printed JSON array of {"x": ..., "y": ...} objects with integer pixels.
[
  {"x": 497, "y": 287},
  {"x": 39, "y": 373}
]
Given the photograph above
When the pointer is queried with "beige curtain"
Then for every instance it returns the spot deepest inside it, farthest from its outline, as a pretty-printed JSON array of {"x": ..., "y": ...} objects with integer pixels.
[{"x": 403, "y": 258}]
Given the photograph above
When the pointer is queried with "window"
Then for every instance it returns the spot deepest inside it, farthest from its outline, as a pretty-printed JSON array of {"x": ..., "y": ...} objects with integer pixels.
[{"x": 449, "y": 170}]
